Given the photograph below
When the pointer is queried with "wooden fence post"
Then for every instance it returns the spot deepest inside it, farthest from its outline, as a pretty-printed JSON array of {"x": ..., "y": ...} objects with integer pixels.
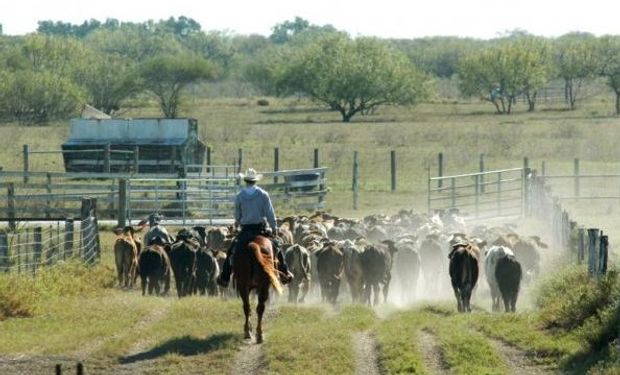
[
  {"x": 499, "y": 193},
  {"x": 107, "y": 151},
  {"x": 5, "y": 261},
  {"x": 453, "y": 192},
  {"x": 440, "y": 170},
  {"x": 26, "y": 152},
  {"x": 136, "y": 159},
  {"x": 576, "y": 174},
  {"x": 602, "y": 256},
  {"x": 122, "y": 202},
  {"x": 481, "y": 175},
  {"x": 526, "y": 162},
  {"x": 593, "y": 249},
  {"x": 477, "y": 188},
  {"x": 37, "y": 248},
  {"x": 68, "y": 247},
  {"x": 276, "y": 163},
  {"x": 543, "y": 169},
  {"x": 355, "y": 183},
  {"x": 393, "y": 170},
  {"x": 316, "y": 158},
  {"x": 581, "y": 245},
  {"x": 11, "y": 206},
  {"x": 48, "y": 189},
  {"x": 240, "y": 160},
  {"x": 208, "y": 161}
]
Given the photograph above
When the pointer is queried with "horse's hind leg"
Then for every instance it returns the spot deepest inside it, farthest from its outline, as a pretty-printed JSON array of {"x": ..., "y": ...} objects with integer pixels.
[
  {"x": 263, "y": 295},
  {"x": 247, "y": 327}
]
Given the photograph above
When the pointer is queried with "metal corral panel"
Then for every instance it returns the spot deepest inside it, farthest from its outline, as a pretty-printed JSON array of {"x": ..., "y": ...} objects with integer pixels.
[{"x": 163, "y": 145}]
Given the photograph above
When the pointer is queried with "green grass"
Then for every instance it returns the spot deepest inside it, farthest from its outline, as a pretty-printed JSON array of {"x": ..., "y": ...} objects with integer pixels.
[{"x": 312, "y": 340}]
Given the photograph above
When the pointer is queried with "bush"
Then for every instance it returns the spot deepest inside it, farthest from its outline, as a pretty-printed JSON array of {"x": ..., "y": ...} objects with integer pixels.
[
  {"x": 38, "y": 97},
  {"x": 571, "y": 300},
  {"x": 262, "y": 102}
]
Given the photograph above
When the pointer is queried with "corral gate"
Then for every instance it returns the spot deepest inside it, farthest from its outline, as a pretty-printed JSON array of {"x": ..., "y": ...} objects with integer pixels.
[
  {"x": 199, "y": 198},
  {"x": 481, "y": 195}
]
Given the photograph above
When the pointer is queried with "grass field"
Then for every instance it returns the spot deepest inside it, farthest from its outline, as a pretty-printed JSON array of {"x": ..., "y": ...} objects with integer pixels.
[{"x": 462, "y": 131}]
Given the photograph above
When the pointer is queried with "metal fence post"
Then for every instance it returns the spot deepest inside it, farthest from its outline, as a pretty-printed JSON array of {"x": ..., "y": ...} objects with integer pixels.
[
  {"x": 136, "y": 159},
  {"x": 602, "y": 256},
  {"x": 440, "y": 170},
  {"x": 355, "y": 183},
  {"x": 122, "y": 202},
  {"x": 26, "y": 153},
  {"x": 37, "y": 249},
  {"x": 316, "y": 158},
  {"x": 5, "y": 261},
  {"x": 107, "y": 151},
  {"x": 11, "y": 206},
  {"x": 393, "y": 170},
  {"x": 276, "y": 163},
  {"x": 68, "y": 247},
  {"x": 481, "y": 173},
  {"x": 576, "y": 174}
]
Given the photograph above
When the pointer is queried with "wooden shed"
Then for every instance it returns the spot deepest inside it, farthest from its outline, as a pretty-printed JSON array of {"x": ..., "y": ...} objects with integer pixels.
[{"x": 147, "y": 145}]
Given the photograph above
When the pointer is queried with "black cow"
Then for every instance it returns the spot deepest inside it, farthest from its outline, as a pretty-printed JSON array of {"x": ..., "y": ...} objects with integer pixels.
[
  {"x": 377, "y": 267},
  {"x": 154, "y": 268},
  {"x": 207, "y": 270},
  {"x": 464, "y": 269},
  {"x": 183, "y": 261},
  {"x": 508, "y": 275}
]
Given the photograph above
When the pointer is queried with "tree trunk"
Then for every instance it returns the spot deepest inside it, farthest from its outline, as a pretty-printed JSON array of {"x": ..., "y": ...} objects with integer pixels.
[{"x": 531, "y": 101}]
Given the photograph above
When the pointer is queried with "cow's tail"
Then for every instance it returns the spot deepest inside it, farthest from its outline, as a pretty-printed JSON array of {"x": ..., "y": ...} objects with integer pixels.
[{"x": 267, "y": 266}]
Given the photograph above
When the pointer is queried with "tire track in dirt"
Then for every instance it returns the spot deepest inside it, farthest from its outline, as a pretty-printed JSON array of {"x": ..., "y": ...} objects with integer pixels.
[
  {"x": 432, "y": 353},
  {"x": 250, "y": 359},
  {"x": 366, "y": 359},
  {"x": 517, "y": 360}
]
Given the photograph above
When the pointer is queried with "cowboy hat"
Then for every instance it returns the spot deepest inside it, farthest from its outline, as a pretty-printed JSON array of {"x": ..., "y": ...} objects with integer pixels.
[{"x": 250, "y": 175}]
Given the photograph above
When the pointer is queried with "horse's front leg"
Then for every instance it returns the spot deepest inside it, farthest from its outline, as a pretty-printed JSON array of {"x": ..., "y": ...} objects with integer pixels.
[
  {"x": 263, "y": 295},
  {"x": 244, "y": 293}
]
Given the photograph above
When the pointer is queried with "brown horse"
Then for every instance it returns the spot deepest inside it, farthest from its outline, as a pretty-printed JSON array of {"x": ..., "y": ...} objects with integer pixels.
[{"x": 254, "y": 268}]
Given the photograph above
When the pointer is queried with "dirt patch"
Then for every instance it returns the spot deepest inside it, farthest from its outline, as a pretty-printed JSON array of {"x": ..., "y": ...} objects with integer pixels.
[
  {"x": 250, "y": 358},
  {"x": 432, "y": 354},
  {"x": 517, "y": 360},
  {"x": 365, "y": 347}
]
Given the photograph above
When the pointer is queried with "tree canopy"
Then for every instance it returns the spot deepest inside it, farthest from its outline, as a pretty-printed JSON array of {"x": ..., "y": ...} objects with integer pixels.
[
  {"x": 350, "y": 76},
  {"x": 166, "y": 76}
]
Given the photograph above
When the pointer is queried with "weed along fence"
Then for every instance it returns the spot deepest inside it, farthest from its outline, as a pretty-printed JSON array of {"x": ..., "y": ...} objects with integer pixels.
[{"x": 26, "y": 248}]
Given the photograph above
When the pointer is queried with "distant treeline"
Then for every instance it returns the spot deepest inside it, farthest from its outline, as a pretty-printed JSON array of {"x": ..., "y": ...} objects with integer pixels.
[{"x": 48, "y": 75}]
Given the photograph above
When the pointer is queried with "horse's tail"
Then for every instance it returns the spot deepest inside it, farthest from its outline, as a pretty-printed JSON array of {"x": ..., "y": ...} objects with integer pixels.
[{"x": 267, "y": 266}]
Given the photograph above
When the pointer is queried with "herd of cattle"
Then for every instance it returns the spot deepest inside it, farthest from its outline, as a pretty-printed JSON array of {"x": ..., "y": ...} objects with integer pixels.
[{"x": 417, "y": 248}]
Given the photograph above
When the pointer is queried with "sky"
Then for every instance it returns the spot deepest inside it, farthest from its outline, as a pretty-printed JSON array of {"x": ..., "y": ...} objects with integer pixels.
[{"x": 384, "y": 18}]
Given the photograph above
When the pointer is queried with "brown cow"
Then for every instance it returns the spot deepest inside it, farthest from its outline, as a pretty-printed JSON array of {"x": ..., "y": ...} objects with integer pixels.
[
  {"x": 126, "y": 251},
  {"x": 330, "y": 267},
  {"x": 154, "y": 266},
  {"x": 464, "y": 268}
]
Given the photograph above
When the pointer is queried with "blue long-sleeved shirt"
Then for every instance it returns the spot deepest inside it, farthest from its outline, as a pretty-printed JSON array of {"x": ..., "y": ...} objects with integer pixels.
[{"x": 253, "y": 206}]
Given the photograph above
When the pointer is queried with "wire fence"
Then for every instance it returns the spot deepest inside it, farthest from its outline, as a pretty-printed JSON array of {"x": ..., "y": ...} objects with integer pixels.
[{"x": 29, "y": 248}]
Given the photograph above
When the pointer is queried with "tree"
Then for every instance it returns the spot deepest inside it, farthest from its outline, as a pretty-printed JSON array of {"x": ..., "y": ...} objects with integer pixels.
[
  {"x": 350, "y": 76},
  {"x": 31, "y": 97},
  {"x": 575, "y": 61},
  {"x": 283, "y": 32},
  {"x": 166, "y": 76},
  {"x": 506, "y": 69},
  {"x": 608, "y": 53},
  {"x": 108, "y": 80}
]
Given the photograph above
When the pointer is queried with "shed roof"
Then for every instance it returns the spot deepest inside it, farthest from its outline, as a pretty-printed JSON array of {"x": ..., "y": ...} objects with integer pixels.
[{"x": 132, "y": 131}]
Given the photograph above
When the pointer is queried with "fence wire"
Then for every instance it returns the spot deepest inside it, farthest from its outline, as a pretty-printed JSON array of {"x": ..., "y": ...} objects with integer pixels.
[{"x": 30, "y": 248}]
